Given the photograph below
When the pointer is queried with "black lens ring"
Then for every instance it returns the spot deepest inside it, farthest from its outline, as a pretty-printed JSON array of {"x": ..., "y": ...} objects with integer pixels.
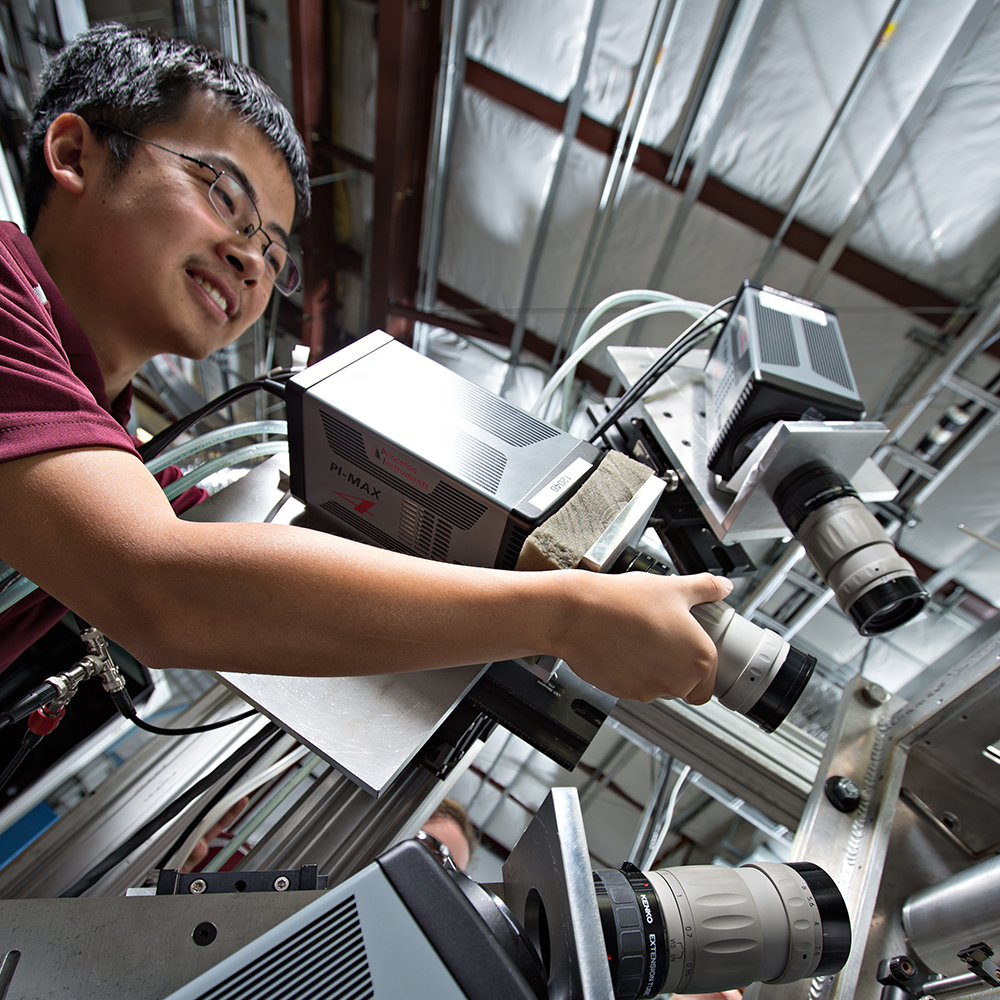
[
  {"x": 888, "y": 605},
  {"x": 807, "y": 489},
  {"x": 649, "y": 904},
  {"x": 780, "y": 696},
  {"x": 833, "y": 916},
  {"x": 635, "y": 893}
]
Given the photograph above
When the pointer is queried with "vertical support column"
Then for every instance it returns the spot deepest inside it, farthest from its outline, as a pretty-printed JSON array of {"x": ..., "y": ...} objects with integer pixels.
[
  {"x": 308, "y": 22},
  {"x": 409, "y": 50}
]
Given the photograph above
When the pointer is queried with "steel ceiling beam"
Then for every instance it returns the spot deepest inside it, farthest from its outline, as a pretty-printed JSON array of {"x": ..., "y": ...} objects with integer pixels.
[
  {"x": 881, "y": 42},
  {"x": 571, "y": 122},
  {"x": 899, "y": 143},
  {"x": 703, "y": 157},
  {"x": 446, "y": 112},
  {"x": 661, "y": 30},
  {"x": 309, "y": 39},
  {"x": 863, "y": 271}
]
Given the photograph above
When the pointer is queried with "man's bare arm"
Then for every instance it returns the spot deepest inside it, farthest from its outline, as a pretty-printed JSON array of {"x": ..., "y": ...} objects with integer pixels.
[{"x": 93, "y": 528}]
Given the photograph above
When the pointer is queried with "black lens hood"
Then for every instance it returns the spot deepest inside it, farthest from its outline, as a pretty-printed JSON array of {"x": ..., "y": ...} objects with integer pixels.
[
  {"x": 888, "y": 605},
  {"x": 778, "y": 699}
]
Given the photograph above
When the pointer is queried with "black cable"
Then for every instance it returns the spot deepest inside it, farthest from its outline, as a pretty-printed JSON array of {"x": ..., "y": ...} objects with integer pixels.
[
  {"x": 662, "y": 364},
  {"x": 166, "y": 814},
  {"x": 27, "y": 745},
  {"x": 211, "y": 804},
  {"x": 123, "y": 702},
  {"x": 156, "y": 444},
  {"x": 22, "y": 708}
]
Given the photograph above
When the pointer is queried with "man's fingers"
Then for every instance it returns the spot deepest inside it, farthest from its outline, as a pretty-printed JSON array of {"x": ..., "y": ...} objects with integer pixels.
[{"x": 704, "y": 588}]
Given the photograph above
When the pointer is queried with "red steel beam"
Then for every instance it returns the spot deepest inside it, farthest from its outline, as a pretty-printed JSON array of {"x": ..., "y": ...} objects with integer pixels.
[
  {"x": 308, "y": 22},
  {"x": 409, "y": 51},
  {"x": 926, "y": 302}
]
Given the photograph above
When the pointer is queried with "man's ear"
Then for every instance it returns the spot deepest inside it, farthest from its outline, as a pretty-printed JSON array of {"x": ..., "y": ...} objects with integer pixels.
[{"x": 69, "y": 151}]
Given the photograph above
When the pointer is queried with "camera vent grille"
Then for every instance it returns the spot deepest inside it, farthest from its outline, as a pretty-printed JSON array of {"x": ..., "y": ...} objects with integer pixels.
[
  {"x": 825, "y": 354},
  {"x": 326, "y": 958},
  {"x": 364, "y": 527},
  {"x": 496, "y": 415},
  {"x": 777, "y": 341},
  {"x": 515, "y": 543},
  {"x": 445, "y": 500},
  {"x": 425, "y": 533}
]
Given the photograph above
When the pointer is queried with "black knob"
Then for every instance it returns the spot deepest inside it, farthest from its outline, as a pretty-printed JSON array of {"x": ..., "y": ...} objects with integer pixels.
[{"x": 843, "y": 793}]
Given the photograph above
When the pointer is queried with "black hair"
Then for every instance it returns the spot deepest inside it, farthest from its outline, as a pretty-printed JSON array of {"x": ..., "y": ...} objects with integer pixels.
[{"x": 134, "y": 79}]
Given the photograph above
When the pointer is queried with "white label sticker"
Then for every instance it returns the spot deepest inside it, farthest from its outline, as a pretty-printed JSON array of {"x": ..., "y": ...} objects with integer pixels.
[
  {"x": 793, "y": 308},
  {"x": 544, "y": 498}
]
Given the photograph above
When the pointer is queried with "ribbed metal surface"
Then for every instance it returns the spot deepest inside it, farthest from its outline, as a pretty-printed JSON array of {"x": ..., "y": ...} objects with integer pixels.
[
  {"x": 514, "y": 545},
  {"x": 424, "y": 531},
  {"x": 777, "y": 341},
  {"x": 326, "y": 958},
  {"x": 826, "y": 354},
  {"x": 497, "y": 416},
  {"x": 461, "y": 510}
]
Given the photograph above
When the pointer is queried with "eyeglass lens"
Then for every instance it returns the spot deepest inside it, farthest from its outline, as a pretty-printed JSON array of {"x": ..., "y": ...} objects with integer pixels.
[{"x": 237, "y": 210}]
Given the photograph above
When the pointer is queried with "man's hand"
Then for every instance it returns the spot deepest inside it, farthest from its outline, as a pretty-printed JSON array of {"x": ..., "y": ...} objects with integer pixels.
[{"x": 637, "y": 638}]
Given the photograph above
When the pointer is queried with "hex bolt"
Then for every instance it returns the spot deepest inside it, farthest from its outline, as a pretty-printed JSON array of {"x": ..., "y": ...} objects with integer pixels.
[
  {"x": 281, "y": 883},
  {"x": 842, "y": 793},
  {"x": 874, "y": 694},
  {"x": 198, "y": 885}
]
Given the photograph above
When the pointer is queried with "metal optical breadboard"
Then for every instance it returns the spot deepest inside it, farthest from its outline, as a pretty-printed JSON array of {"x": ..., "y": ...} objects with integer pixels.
[{"x": 675, "y": 410}]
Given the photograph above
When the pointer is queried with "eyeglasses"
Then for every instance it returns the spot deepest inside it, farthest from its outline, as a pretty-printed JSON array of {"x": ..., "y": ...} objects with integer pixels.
[{"x": 239, "y": 212}]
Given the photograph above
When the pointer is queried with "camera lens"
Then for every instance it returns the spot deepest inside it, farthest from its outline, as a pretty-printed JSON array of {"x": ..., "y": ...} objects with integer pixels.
[
  {"x": 706, "y": 928},
  {"x": 759, "y": 675},
  {"x": 874, "y": 585}
]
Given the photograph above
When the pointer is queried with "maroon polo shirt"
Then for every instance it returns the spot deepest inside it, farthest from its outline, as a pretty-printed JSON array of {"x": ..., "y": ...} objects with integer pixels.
[{"x": 51, "y": 397}]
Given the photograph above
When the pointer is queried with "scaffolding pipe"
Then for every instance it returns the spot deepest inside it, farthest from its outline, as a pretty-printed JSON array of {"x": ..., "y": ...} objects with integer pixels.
[
  {"x": 878, "y": 46},
  {"x": 574, "y": 109}
]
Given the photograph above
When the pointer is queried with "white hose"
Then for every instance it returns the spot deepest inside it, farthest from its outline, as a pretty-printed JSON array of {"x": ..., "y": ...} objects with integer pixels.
[
  {"x": 569, "y": 365},
  {"x": 223, "y": 462},
  {"x": 212, "y": 438},
  {"x": 250, "y": 784},
  {"x": 618, "y": 298}
]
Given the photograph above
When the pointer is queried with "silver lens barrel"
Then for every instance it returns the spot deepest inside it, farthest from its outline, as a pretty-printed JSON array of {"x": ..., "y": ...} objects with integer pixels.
[
  {"x": 874, "y": 585},
  {"x": 722, "y": 928}
]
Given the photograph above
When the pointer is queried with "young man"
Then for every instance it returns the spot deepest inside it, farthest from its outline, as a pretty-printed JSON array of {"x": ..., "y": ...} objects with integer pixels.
[{"x": 164, "y": 181}]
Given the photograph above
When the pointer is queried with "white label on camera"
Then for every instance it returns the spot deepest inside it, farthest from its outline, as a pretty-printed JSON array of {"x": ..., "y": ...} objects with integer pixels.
[
  {"x": 544, "y": 498},
  {"x": 793, "y": 307}
]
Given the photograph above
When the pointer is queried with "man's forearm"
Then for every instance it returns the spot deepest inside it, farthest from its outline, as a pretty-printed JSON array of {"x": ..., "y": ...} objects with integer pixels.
[{"x": 94, "y": 530}]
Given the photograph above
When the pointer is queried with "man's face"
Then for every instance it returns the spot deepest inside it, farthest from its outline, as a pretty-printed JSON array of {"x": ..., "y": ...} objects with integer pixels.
[{"x": 171, "y": 274}]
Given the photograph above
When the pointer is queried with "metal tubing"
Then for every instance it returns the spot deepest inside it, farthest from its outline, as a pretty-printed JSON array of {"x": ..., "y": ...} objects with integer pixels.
[
  {"x": 700, "y": 172},
  {"x": 813, "y": 606},
  {"x": 605, "y": 773},
  {"x": 863, "y": 200},
  {"x": 964, "y": 348},
  {"x": 574, "y": 108},
  {"x": 654, "y": 808},
  {"x": 970, "y": 442},
  {"x": 878, "y": 46},
  {"x": 683, "y": 151},
  {"x": 664, "y": 823},
  {"x": 618, "y": 169},
  {"x": 772, "y": 579},
  {"x": 455, "y": 17}
]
